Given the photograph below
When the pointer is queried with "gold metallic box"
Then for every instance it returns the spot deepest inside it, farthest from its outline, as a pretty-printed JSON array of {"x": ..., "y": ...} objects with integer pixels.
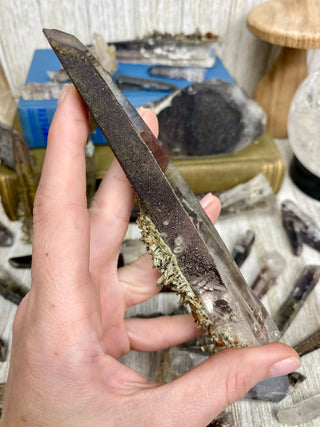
[{"x": 203, "y": 174}]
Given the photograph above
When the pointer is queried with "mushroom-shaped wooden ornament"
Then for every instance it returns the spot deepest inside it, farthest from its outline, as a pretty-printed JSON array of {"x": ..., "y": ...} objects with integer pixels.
[{"x": 295, "y": 25}]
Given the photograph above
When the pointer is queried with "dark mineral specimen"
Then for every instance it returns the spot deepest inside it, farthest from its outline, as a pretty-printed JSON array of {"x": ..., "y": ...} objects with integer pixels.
[
  {"x": 191, "y": 74},
  {"x": 242, "y": 247},
  {"x": 276, "y": 388},
  {"x": 10, "y": 289},
  {"x": 3, "y": 350},
  {"x": 305, "y": 283},
  {"x": 21, "y": 261},
  {"x": 136, "y": 83},
  {"x": 6, "y": 236},
  {"x": 209, "y": 118},
  {"x": 299, "y": 227},
  {"x": 308, "y": 344}
]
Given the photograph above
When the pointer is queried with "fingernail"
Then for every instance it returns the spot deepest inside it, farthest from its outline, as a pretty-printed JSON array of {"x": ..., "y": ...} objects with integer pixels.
[
  {"x": 63, "y": 93},
  {"x": 207, "y": 200},
  {"x": 285, "y": 366}
]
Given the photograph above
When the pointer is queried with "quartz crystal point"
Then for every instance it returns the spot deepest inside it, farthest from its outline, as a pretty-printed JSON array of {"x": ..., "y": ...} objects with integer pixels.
[
  {"x": 165, "y": 49},
  {"x": 6, "y": 149},
  {"x": 308, "y": 344},
  {"x": 104, "y": 53},
  {"x": 253, "y": 194},
  {"x": 300, "y": 413},
  {"x": 10, "y": 289},
  {"x": 299, "y": 227},
  {"x": 21, "y": 261},
  {"x": 130, "y": 83},
  {"x": 191, "y": 74},
  {"x": 276, "y": 388},
  {"x": 242, "y": 247},
  {"x": 59, "y": 76},
  {"x": 184, "y": 244},
  {"x": 305, "y": 283},
  {"x": 209, "y": 118},
  {"x": 6, "y": 236},
  {"x": 273, "y": 266},
  {"x": 3, "y": 350},
  {"x": 38, "y": 91}
]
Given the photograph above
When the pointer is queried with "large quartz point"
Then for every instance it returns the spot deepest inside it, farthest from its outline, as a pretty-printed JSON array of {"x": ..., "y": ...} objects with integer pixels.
[
  {"x": 209, "y": 118},
  {"x": 185, "y": 246}
]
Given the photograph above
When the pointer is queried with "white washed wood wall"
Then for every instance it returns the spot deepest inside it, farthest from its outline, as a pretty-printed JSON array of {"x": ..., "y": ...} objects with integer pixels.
[{"x": 21, "y": 23}]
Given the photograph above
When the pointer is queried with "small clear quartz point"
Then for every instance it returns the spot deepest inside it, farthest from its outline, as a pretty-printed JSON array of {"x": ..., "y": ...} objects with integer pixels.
[{"x": 303, "y": 412}]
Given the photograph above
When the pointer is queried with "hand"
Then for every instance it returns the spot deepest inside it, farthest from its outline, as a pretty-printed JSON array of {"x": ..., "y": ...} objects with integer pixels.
[{"x": 70, "y": 328}]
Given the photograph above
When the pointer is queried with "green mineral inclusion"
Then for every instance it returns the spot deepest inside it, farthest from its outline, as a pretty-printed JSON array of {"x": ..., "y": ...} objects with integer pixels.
[{"x": 165, "y": 262}]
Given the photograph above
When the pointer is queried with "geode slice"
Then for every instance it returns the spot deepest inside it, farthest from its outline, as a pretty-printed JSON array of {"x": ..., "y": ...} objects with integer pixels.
[{"x": 209, "y": 118}]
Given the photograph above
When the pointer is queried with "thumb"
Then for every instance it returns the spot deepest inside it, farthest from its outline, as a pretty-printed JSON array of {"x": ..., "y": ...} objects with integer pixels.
[{"x": 224, "y": 378}]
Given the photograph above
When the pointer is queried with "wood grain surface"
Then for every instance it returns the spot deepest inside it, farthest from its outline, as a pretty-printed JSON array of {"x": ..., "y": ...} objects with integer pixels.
[
  {"x": 21, "y": 23},
  {"x": 290, "y": 23}
]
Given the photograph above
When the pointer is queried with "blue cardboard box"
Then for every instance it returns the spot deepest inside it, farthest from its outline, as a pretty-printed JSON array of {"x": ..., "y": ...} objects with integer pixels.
[{"x": 36, "y": 116}]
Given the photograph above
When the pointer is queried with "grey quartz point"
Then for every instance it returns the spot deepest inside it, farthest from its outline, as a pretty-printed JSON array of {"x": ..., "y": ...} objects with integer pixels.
[
  {"x": 300, "y": 413},
  {"x": 300, "y": 228},
  {"x": 253, "y": 194},
  {"x": 39, "y": 91},
  {"x": 242, "y": 247},
  {"x": 6, "y": 236},
  {"x": 3, "y": 350},
  {"x": 130, "y": 83},
  {"x": 273, "y": 265},
  {"x": 209, "y": 118},
  {"x": 276, "y": 388},
  {"x": 6, "y": 149},
  {"x": 10, "y": 288},
  {"x": 303, "y": 286},
  {"x": 308, "y": 344},
  {"x": 191, "y": 74},
  {"x": 181, "y": 359}
]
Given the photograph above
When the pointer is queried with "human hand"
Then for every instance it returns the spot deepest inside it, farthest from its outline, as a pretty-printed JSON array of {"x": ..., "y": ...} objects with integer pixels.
[{"x": 70, "y": 330}]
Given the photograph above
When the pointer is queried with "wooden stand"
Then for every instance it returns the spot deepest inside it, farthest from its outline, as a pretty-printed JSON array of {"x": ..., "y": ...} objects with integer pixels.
[{"x": 275, "y": 91}]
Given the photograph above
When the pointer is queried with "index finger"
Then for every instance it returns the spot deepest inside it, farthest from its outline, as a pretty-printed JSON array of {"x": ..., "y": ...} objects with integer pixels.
[{"x": 61, "y": 233}]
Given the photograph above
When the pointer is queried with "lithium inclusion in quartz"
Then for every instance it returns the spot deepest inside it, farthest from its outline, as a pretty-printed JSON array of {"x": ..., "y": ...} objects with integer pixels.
[{"x": 214, "y": 309}]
